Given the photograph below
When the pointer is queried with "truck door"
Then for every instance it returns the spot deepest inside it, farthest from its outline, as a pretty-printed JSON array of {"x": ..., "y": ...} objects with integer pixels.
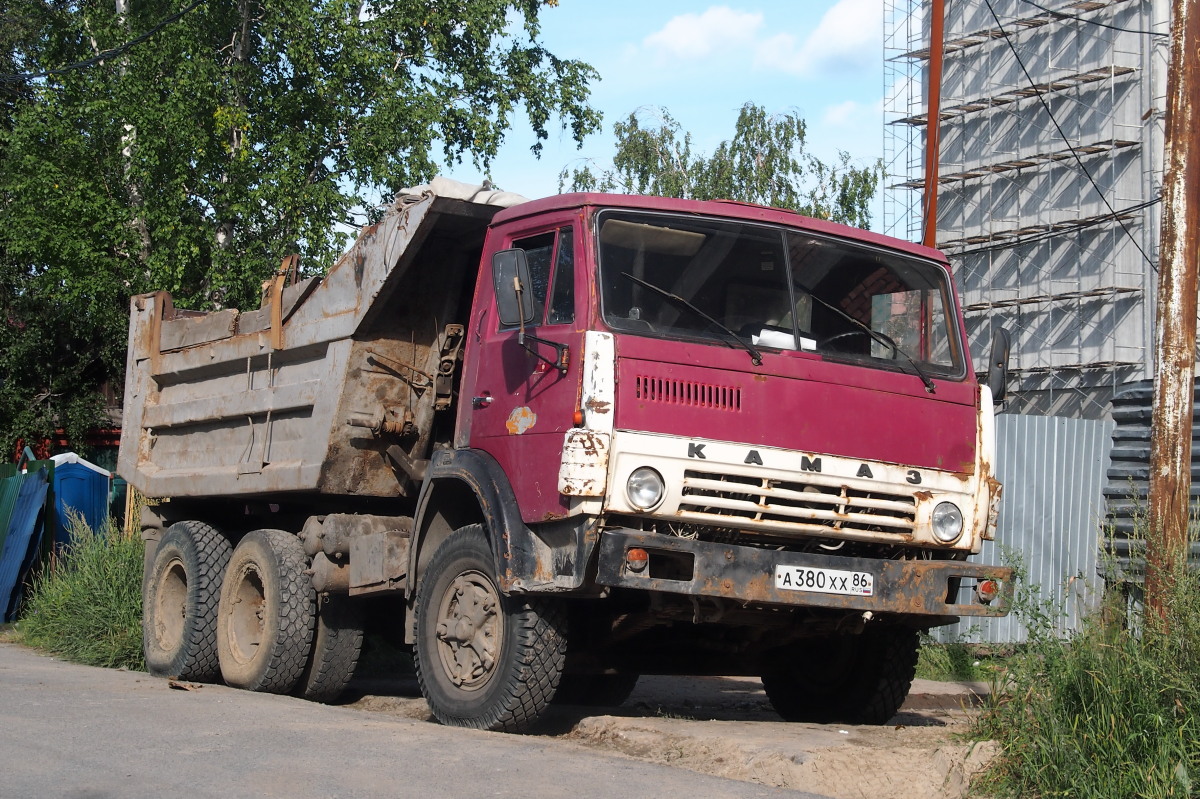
[{"x": 519, "y": 406}]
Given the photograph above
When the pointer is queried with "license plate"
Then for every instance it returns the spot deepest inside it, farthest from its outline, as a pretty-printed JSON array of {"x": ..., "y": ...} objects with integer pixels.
[{"x": 824, "y": 581}]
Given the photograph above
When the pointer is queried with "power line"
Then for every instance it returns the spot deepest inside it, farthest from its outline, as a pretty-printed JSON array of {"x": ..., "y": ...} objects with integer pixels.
[
  {"x": 1062, "y": 135},
  {"x": 1085, "y": 20},
  {"x": 106, "y": 55}
]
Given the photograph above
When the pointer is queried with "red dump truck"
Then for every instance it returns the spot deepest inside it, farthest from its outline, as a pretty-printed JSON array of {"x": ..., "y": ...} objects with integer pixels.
[{"x": 575, "y": 440}]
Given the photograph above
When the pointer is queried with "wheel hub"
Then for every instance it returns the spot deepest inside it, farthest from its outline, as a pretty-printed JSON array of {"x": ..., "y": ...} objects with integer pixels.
[
  {"x": 469, "y": 630},
  {"x": 171, "y": 606},
  {"x": 246, "y": 617}
]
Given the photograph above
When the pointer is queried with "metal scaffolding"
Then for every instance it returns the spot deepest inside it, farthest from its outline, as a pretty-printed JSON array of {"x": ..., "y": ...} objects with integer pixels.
[{"x": 1051, "y": 126}]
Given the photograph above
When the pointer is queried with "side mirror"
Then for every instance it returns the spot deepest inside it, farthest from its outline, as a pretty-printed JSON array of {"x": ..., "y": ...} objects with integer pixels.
[
  {"x": 514, "y": 297},
  {"x": 997, "y": 376}
]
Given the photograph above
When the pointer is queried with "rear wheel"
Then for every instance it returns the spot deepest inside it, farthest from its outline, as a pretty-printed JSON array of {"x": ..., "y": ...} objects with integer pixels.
[
  {"x": 855, "y": 679},
  {"x": 179, "y": 602},
  {"x": 265, "y": 617},
  {"x": 483, "y": 660},
  {"x": 337, "y": 643}
]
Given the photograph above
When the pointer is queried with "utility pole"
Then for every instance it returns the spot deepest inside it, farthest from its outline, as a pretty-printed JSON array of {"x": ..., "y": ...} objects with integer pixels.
[
  {"x": 933, "y": 127},
  {"x": 1175, "y": 324}
]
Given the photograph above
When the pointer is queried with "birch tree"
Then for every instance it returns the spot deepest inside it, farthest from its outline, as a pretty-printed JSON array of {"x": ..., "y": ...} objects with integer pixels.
[
  {"x": 189, "y": 145},
  {"x": 766, "y": 161}
]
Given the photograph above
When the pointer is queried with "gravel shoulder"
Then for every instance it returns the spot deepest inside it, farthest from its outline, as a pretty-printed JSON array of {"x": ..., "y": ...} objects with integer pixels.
[{"x": 725, "y": 727}]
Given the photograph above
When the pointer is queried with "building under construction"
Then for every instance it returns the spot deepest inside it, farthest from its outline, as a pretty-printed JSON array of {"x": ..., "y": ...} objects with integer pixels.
[{"x": 1049, "y": 173}]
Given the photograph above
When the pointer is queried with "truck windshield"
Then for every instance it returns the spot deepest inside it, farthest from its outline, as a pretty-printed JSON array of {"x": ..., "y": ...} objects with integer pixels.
[{"x": 775, "y": 288}]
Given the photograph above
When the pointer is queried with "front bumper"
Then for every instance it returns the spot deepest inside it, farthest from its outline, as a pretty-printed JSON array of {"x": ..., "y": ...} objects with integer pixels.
[{"x": 931, "y": 588}]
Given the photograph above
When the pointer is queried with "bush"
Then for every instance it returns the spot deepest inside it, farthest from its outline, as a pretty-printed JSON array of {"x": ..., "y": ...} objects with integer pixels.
[
  {"x": 86, "y": 606},
  {"x": 1113, "y": 711}
]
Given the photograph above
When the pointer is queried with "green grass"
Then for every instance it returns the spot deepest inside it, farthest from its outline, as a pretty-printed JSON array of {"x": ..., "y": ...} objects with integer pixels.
[
  {"x": 1110, "y": 712},
  {"x": 86, "y": 606},
  {"x": 956, "y": 662}
]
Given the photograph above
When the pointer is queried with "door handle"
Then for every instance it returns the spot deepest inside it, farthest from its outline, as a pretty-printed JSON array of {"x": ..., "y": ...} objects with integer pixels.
[{"x": 482, "y": 402}]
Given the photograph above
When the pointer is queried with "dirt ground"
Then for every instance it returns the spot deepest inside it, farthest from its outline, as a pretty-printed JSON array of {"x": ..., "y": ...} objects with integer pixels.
[{"x": 725, "y": 727}]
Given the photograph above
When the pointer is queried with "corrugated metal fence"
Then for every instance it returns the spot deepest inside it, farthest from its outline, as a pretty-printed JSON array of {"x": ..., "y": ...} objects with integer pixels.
[
  {"x": 1053, "y": 470},
  {"x": 1129, "y": 476},
  {"x": 22, "y": 503}
]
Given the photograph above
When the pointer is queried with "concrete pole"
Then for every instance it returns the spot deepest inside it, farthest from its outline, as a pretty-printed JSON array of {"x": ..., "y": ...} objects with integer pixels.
[
  {"x": 1175, "y": 328},
  {"x": 933, "y": 96}
]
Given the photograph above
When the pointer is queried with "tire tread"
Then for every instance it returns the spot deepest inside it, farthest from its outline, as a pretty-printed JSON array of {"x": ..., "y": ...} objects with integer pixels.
[
  {"x": 537, "y": 629},
  {"x": 871, "y": 690},
  {"x": 209, "y": 550},
  {"x": 290, "y": 638},
  {"x": 336, "y": 647}
]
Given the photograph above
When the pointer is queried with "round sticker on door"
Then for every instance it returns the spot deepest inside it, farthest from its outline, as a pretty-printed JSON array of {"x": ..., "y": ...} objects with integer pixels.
[{"x": 520, "y": 420}]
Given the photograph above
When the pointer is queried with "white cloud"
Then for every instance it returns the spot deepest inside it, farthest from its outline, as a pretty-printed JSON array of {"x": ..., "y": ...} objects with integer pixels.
[
  {"x": 842, "y": 114},
  {"x": 849, "y": 126},
  {"x": 692, "y": 36},
  {"x": 847, "y": 38}
]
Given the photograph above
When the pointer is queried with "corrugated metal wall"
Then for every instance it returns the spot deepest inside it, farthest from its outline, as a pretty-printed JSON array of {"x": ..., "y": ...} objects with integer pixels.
[
  {"x": 22, "y": 501},
  {"x": 1053, "y": 470},
  {"x": 1128, "y": 481}
]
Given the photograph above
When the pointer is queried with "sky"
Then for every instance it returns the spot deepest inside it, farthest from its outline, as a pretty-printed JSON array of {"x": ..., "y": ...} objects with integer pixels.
[{"x": 822, "y": 59}]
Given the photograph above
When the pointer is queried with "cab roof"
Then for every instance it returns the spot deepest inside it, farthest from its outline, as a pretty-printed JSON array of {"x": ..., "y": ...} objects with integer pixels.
[{"x": 728, "y": 209}]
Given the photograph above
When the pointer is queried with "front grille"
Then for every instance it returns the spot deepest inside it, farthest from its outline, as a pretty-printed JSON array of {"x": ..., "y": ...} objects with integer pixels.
[
  {"x": 688, "y": 392},
  {"x": 817, "y": 504}
]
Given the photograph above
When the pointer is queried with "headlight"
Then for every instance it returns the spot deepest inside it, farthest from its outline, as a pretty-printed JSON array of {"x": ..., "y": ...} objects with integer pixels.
[
  {"x": 947, "y": 522},
  {"x": 644, "y": 488}
]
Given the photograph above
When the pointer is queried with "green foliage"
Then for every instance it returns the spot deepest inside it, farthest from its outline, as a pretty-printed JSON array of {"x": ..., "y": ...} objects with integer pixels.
[
  {"x": 1111, "y": 712},
  {"x": 87, "y": 606},
  {"x": 234, "y": 135},
  {"x": 764, "y": 162}
]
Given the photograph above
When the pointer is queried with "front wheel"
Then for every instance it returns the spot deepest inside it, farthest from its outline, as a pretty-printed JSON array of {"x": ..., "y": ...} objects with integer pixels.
[
  {"x": 483, "y": 660},
  {"x": 854, "y": 679}
]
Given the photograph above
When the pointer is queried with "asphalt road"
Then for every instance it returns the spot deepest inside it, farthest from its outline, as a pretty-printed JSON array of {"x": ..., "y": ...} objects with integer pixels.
[{"x": 85, "y": 733}]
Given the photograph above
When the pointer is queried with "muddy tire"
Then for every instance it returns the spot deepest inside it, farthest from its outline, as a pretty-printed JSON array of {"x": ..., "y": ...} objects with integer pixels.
[
  {"x": 851, "y": 679},
  {"x": 265, "y": 616},
  {"x": 595, "y": 690},
  {"x": 336, "y": 645},
  {"x": 484, "y": 660},
  {"x": 179, "y": 602}
]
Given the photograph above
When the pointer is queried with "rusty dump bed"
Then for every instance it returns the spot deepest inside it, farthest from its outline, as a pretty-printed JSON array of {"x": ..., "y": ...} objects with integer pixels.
[{"x": 251, "y": 403}]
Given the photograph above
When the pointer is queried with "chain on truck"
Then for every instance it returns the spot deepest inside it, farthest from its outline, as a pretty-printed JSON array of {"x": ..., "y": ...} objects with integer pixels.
[{"x": 558, "y": 444}]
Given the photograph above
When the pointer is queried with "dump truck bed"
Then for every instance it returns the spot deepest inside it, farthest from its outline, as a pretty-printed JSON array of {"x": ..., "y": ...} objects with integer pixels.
[{"x": 259, "y": 403}]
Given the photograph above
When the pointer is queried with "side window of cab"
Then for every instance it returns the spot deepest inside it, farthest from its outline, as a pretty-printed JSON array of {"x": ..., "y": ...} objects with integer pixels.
[{"x": 551, "y": 259}]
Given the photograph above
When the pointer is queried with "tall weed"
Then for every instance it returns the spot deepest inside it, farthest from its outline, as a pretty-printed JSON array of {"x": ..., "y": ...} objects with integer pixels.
[
  {"x": 86, "y": 605},
  {"x": 1108, "y": 712}
]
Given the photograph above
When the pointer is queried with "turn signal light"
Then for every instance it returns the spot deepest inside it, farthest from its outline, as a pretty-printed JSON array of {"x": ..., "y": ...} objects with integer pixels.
[
  {"x": 637, "y": 559},
  {"x": 578, "y": 418},
  {"x": 987, "y": 590}
]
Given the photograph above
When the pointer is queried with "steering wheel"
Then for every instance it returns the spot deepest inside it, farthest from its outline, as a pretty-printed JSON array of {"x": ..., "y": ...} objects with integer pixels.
[{"x": 874, "y": 336}]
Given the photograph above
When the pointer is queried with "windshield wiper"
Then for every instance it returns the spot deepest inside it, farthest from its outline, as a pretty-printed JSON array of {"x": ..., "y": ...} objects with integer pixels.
[
  {"x": 882, "y": 338},
  {"x": 755, "y": 355}
]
